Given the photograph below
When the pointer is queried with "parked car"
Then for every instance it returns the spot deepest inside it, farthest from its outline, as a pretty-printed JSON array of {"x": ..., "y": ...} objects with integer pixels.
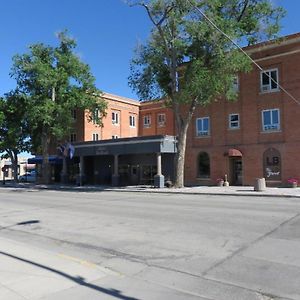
[{"x": 28, "y": 177}]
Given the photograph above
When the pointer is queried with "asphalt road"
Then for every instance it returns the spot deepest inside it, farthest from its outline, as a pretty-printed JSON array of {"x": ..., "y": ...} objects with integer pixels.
[{"x": 119, "y": 245}]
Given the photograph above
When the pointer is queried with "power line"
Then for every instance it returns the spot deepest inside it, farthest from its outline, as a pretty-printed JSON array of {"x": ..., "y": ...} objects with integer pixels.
[{"x": 243, "y": 51}]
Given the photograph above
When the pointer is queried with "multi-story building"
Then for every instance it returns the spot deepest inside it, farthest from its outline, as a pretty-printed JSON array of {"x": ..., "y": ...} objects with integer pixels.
[{"x": 256, "y": 136}]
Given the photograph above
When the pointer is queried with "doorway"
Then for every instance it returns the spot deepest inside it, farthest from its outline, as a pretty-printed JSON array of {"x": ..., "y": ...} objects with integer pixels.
[{"x": 236, "y": 171}]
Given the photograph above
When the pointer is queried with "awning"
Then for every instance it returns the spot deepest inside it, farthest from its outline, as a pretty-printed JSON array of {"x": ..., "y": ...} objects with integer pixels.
[
  {"x": 234, "y": 153},
  {"x": 53, "y": 160}
]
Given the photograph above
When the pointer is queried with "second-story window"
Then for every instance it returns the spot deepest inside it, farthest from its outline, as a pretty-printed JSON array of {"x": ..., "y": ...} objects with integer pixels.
[
  {"x": 115, "y": 117},
  {"x": 74, "y": 114},
  {"x": 236, "y": 84},
  {"x": 95, "y": 136},
  {"x": 147, "y": 121},
  {"x": 161, "y": 120},
  {"x": 73, "y": 137},
  {"x": 271, "y": 120},
  {"x": 269, "y": 80},
  {"x": 234, "y": 121},
  {"x": 95, "y": 116},
  {"x": 202, "y": 126},
  {"x": 132, "y": 121}
]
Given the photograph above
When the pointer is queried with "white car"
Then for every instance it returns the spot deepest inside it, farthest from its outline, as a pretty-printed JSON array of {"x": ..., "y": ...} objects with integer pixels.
[{"x": 28, "y": 177}]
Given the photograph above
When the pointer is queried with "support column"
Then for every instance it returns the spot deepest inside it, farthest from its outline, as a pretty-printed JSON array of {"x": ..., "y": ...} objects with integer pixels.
[
  {"x": 80, "y": 179},
  {"x": 116, "y": 177},
  {"x": 159, "y": 179},
  {"x": 64, "y": 173}
]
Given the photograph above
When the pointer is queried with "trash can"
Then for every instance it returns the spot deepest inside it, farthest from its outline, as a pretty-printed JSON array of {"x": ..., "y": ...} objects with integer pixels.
[{"x": 260, "y": 184}]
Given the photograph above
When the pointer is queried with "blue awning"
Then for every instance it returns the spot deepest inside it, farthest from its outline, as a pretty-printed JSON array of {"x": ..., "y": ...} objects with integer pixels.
[{"x": 53, "y": 160}]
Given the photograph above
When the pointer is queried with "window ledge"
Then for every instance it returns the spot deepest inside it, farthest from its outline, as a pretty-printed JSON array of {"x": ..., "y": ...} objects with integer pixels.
[
  {"x": 269, "y": 91},
  {"x": 203, "y": 136},
  {"x": 235, "y": 128},
  {"x": 271, "y": 131}
]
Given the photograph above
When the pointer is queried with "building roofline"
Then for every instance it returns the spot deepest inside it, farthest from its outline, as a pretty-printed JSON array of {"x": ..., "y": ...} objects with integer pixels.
[
  {"x": 281, "y": 41},
  {"x": 113, "y": 97}
]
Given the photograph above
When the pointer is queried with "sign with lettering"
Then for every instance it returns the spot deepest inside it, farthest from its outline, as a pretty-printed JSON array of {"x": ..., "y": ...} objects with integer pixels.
[
  {"x": 272, "y": 164},
  {"x": 101, "y": 151}
]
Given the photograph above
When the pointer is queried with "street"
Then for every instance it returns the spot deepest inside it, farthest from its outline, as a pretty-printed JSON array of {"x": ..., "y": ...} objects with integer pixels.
[{"x": 121, "y": 245}]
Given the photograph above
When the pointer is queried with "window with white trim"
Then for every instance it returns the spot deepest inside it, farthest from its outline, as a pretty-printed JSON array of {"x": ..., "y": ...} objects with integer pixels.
[
  {"x": 236, "y": 83},
  {"x": 95, "y": 136},
  {"x": 114, "y": 137},
  {"x": 203, "y": 126},
  {"x": 95, "y": 116},
  {"x": 73, "y": 137},
  {"x": 147, "y": 121},
  {"x": 269, "y": 80},
  {"x": 234, "y": 121},
  {"x": 271, "y": 120},
  {"x": 132, "y": 121},
  {"x": 115, "y": 117},
  {"x": 161, "y": 120}
]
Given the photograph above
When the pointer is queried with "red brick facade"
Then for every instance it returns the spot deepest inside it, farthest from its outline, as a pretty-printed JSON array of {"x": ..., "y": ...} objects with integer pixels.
[{"x": 264, "y": 138}]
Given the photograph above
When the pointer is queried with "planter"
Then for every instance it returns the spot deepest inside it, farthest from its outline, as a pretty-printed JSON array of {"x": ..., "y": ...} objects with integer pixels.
[
  {"x": 294, "y": 184},
  {"x": 220, "y": 183}
]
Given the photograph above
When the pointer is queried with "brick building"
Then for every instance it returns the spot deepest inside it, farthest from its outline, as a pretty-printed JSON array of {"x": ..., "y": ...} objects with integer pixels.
[{"x": 256, "y": 136}]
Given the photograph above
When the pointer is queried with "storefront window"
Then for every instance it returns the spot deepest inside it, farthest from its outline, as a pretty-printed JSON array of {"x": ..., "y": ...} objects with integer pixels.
[
  {"x": 203, "y": 165},
  {"x": 272, "y": 164}
]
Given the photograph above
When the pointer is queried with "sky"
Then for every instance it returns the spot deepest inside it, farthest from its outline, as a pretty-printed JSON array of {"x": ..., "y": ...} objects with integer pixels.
[{"x": 106, "y": 32}]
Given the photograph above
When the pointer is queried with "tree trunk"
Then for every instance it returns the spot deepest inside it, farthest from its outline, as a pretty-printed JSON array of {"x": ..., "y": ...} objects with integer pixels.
[
  {"x": 13, "y": 155},
  {"x": 45, "y": 165},
  {"x": 180, "y": 156}
]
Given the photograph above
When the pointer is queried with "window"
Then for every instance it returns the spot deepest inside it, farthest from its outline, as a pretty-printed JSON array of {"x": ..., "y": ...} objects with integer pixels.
[
  {"x": 272, "y": 164},
  {"x": 74, "y": 114},
  {"x": 161, "y": 120},
  {"x": 114, "y": 137},
  {"x": 202, "y": 125},
  {"x": 268, "y": 80},
  {"x": 236, "y": 83},
  {"x": 95, "y": 136},
  {"x": 115, "y": 117},
  {"x": 147, "y": 121},
  {"x": 270, "y": 120},
  {"x": 234, "y": 121},
  {"x": 203, "y": 165},
  {"x": 73, "y": 137},
  {"x": 132, "y": 121},
  {"x": 95, "y": 116}
]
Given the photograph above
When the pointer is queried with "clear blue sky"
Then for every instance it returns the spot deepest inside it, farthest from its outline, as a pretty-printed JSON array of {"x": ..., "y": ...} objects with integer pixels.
[{"x": 106, "y": 32}]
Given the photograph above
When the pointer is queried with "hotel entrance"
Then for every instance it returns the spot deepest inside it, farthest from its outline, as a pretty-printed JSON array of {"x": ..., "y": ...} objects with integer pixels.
[{"x": 235, "y": 167}]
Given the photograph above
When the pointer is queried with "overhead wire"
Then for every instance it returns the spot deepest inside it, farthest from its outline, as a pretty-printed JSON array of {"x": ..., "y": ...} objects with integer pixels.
[{"x": 243, "y": 51}]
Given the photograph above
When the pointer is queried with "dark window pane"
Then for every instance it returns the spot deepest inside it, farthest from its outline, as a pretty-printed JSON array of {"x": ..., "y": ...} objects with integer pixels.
[{"x": 203, "y": 165}]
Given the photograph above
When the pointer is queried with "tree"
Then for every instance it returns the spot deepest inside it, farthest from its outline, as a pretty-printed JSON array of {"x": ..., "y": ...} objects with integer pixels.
[
  {"x": 189, "y": 63},
  {"x": 56, "y": 82},
  {"x": 14, "y": 131}
]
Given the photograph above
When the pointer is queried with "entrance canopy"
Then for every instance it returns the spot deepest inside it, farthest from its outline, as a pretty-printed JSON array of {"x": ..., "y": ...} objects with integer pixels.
[
  {"x": 123, "y": 146},
  {"x": 53, "y": 159},
  {"x": 234, "y": 153}
]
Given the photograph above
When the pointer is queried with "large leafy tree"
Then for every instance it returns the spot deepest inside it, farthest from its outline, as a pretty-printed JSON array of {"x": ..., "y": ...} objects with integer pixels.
[
  {"x": 14, "y": 130},
  {"x": 190, "y": 63},
  {"x": 56, "y": 81}
]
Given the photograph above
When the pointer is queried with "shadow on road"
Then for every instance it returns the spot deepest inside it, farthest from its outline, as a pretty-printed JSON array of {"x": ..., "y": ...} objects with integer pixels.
[{"x": 79, "y": 280}]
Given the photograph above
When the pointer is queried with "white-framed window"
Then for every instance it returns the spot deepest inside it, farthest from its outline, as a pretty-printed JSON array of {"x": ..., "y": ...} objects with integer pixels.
[
  {"x": 132, "y": 121},
  {"x": 236, "y": 83},
  {"x": 234, "y": 121},
  {"x": 161, "y": 120},
  {"x": 114, "y": 137},
  {"x": 203, "y": 126},
  {"x": 269, "y": 80},
  {"x": 74, "y": 114},
  {"x": 115, "y": 117},
  {"x": 95, "y": 116},
  {"x": 95, "y": 137},
  {"x": 73, "y": 137},
  {"x": 147, "y": 121},
  {"x": 271, "y": 119}
]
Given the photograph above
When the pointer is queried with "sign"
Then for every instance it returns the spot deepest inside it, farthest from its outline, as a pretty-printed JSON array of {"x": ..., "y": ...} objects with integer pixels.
[
  {"x": 101, "y": 151},
  {"x": 272, "y": 164}
]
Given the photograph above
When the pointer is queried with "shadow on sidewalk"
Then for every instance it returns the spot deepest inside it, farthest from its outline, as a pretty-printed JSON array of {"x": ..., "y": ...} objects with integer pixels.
[{"x": 79, "y": 280}]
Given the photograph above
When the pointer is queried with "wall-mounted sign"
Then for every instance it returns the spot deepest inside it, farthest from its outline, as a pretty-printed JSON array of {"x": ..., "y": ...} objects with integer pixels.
[
  {"x": 272, "y": 164},
  {"x": 101, "y": 151}
]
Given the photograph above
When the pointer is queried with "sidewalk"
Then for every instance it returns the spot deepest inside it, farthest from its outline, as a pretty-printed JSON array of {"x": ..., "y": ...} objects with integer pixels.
[{"x": 196, "y": 190}]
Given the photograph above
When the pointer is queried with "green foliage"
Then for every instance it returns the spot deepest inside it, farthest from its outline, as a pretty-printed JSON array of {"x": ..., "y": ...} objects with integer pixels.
[
  {"x": 55, "y": 81},
  {"x": 204, "y": 60},
  {"x": 14, "y": 130}
]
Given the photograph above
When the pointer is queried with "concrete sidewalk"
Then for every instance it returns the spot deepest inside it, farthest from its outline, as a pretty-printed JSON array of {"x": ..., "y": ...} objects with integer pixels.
[{"x": 197, "y": 190}]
